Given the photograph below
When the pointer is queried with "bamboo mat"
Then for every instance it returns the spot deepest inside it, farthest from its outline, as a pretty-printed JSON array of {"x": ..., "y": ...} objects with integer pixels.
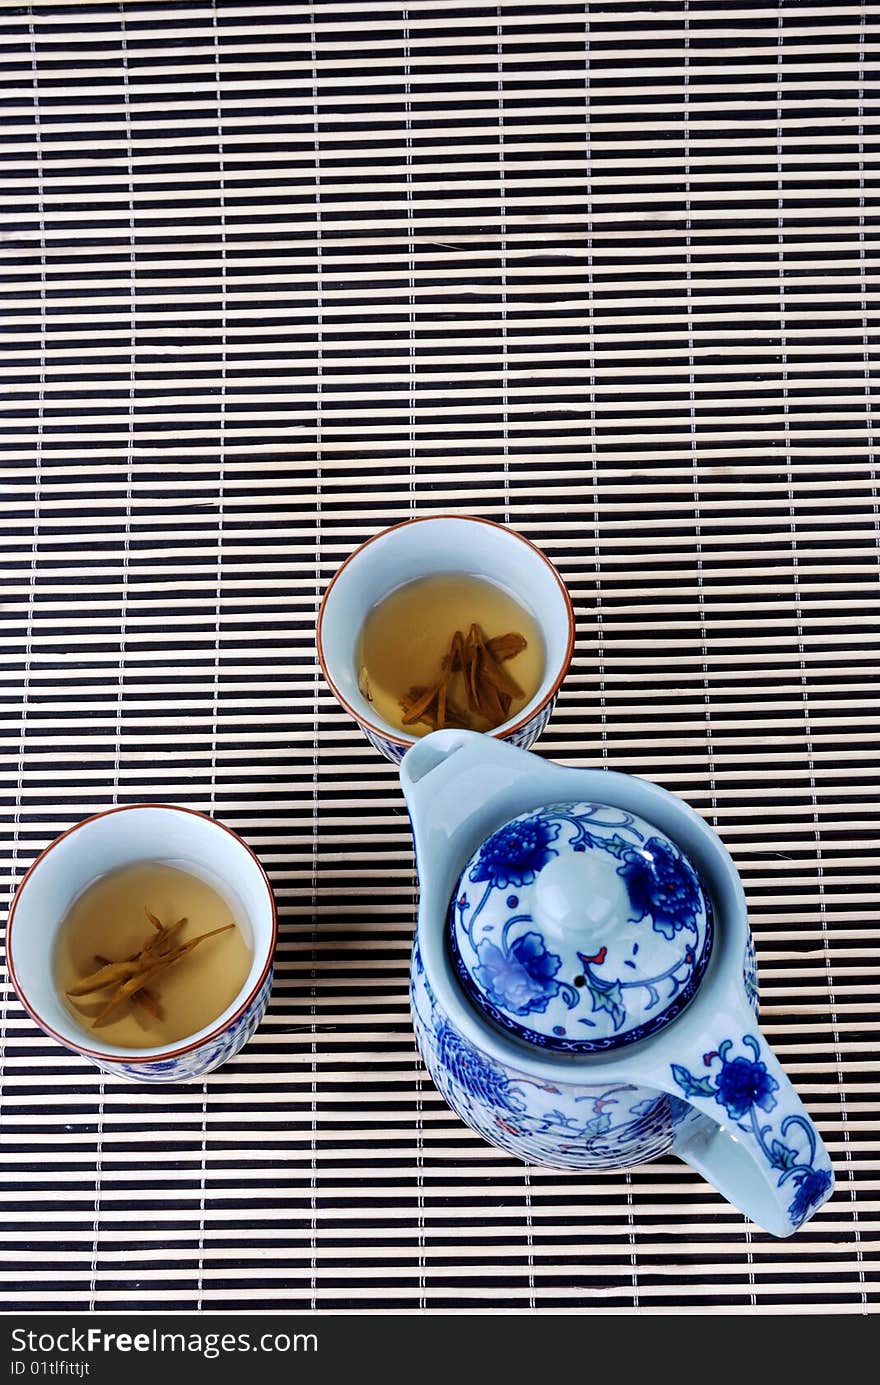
[{"x": 278, "y": 275}]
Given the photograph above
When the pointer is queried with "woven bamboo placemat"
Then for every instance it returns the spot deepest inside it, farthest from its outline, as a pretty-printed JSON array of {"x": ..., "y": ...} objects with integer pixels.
[{"x": 278, "y": 275}]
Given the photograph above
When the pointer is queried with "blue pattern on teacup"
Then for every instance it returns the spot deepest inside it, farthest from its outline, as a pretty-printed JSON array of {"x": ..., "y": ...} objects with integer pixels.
[
  {"x": 188, "y": 1067},
  {"x": 586, "y": 980},
  {"x": 746, "y": 1091},
  {"x": 390, "y": 749},
  {"x": 522, "y": 738},
  {"x": 529, "y": 733}
]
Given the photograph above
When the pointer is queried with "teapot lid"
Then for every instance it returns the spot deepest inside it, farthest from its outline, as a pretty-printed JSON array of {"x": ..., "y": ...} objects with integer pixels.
[{"x": 578, "y": 927}]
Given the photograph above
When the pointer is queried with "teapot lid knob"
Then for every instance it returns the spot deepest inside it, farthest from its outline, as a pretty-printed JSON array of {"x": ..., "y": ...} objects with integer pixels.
[
  {"x": 578, "y": 897},
  {"x": 580, "y": 927}
]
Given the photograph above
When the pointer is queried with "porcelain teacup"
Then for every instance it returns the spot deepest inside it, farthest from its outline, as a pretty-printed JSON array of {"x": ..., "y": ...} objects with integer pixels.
[
  {"x": 440, "y": 544},
  {"x": 113, "y": 839}
]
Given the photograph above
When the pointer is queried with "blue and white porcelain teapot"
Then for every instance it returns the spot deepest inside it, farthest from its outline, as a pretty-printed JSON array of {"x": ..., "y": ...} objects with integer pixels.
[{"x": 583, "y": 981}]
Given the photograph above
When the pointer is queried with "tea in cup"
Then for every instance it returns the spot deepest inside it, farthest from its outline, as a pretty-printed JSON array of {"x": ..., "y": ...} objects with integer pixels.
[
  {"x": 143, "y": 939},
  {"x": 446, "y": 621}
]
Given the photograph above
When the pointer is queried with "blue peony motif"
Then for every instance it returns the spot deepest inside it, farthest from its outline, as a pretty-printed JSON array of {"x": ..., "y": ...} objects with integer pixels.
[
  {"x": 473, "y": 1072},
  {"x": 741, "y": 1084},
  {"x": 662, "y": 884},
  {"x": 811, "y": 1189},
  {"x": 518, "y": 979},
  {"x": 516, "y": 852}
]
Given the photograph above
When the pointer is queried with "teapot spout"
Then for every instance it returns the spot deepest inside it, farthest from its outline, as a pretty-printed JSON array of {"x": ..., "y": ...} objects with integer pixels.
[{"x": 739, "y": 1121}]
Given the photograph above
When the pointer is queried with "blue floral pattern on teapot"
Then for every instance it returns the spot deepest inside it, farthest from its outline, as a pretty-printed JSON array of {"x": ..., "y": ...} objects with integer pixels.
[
  {"x": 577, "y": 1125},
  {"x": 613, "y": 1125},
  {"x": 566, "y": 1125},
  {"x": 554, "y": 898}
]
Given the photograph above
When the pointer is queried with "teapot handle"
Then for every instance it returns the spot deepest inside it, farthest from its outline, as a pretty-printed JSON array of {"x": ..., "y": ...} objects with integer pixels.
[
  {"x": 741, "y": 1124},
  {"x": 460, "y": 785}
]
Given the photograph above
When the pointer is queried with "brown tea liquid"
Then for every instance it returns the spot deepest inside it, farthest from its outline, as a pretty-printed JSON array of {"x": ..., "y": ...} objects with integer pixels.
[
  {"x": 108, "y": 922},
  {"x": 407, "y": 634}
]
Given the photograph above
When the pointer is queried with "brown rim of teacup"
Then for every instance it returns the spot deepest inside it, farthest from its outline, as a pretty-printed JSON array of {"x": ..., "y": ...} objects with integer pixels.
[
  {"x": 171, "y": 1052},
  {"x": 500, "y": 732}
]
